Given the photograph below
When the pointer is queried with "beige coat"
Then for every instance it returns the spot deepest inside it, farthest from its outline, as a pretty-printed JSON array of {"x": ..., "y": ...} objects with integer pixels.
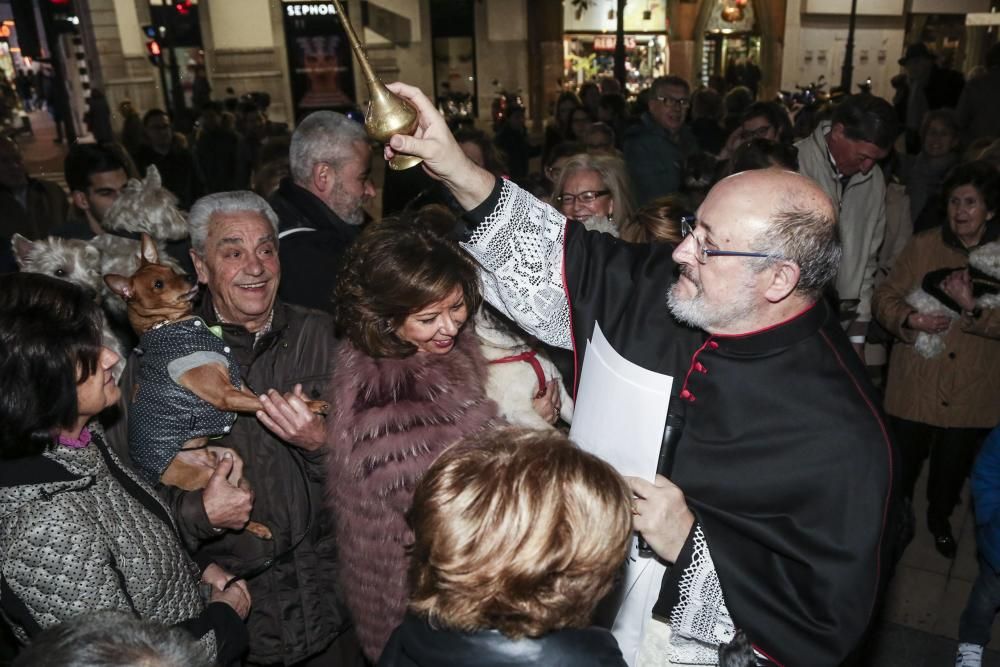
[
  {"x": 860, "y": 218},
  {"x": 960, "y": 387}
]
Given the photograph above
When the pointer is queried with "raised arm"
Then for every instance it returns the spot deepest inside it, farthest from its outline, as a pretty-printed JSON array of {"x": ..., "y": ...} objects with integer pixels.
[{"x": 519, "y": 241}]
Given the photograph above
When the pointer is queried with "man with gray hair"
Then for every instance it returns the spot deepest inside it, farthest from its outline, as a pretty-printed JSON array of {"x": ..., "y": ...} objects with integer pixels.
[
  {"x": 112, "y": 639},
  {"x": 775, "y": 512},
  {"x": 321, "y": 205},
  {"x": 285, "y": 351}
]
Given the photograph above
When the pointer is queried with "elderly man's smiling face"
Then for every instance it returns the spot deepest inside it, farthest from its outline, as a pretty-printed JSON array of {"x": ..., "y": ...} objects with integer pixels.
[{"x": 240, "y": 267}]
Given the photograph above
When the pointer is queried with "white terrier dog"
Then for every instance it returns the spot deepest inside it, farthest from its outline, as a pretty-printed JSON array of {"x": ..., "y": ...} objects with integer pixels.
[
  {"x": 517, "y": 373},
  {"x": 142, "y": 207},
  {"x": 76, "y": 262}
]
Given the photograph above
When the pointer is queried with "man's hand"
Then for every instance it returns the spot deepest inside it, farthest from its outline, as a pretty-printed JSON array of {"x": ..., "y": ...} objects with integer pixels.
[
  {"x": 958, "y": 285},
  {"x": 661, "y": 514},
  {"x": 443, "y": 159},
  {"x": 215, "y": 576},
  {"x": 227, "y": 505},
  {"x": 289, "y": 418},
  {"x": 236, "y": 596}
]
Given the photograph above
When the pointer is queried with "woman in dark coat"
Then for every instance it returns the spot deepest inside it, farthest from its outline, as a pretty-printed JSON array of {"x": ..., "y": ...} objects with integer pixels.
[{"x": 517, "y": 537}]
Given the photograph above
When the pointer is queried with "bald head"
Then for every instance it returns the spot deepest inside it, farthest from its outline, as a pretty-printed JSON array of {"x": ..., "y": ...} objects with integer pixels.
[{"x": 789, "y": 216}]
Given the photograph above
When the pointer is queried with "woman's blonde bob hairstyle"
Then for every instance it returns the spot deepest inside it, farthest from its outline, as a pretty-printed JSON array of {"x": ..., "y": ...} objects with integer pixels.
[
  {"x": 518, "y": 531},
  {"x": 611, "y": 169}
]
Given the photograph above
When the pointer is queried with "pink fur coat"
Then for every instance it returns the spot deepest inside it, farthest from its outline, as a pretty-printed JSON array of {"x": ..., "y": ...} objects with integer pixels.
[{"x": 391, "y": 419}]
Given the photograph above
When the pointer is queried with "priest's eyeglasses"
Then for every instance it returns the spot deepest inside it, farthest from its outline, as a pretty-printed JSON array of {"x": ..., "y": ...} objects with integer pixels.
[{"x": 688, "y": 224}]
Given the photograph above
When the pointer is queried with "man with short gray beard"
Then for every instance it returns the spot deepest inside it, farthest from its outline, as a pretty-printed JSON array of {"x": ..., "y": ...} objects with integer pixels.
[
  {"x": 321, "y": 205},
  {"x": 777, "y": 514}
]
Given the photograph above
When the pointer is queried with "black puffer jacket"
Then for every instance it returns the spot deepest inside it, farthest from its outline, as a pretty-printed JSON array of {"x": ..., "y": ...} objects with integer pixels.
[
  {"x": 416, "y": 644},
  {"x": 296, "y": 611}
]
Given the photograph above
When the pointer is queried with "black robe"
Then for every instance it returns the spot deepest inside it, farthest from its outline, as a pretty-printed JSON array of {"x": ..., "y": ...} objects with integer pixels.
[{"x": 784, "y": 460}]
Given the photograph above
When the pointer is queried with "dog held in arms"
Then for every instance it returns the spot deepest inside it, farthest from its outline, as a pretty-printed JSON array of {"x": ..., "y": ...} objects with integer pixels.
[
  {"x": 517, "y": 373},
  {"x": 187, "y": 386}
]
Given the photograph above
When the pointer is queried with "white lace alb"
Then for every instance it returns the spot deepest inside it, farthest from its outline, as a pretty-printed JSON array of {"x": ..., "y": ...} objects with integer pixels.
[{"x": 520, "y": 249}]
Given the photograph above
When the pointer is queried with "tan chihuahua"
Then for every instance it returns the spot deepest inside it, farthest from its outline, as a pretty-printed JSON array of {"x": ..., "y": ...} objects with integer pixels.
[{"x": 187, "y": 387}]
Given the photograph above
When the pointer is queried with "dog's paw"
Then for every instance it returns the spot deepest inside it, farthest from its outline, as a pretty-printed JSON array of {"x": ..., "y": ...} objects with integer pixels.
[
  {"x": 259, "y": 530},
  {"x": 319, "y": 407}
]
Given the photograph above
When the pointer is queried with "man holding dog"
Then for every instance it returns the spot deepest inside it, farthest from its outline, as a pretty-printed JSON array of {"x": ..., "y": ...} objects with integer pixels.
[
  {"x": 775, "y": 513},
  {"x": 286, "y": 351}
]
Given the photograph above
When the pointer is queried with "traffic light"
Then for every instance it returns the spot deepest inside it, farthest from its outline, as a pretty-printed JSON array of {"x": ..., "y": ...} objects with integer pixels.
[
  {"x": 153, "y": 52},
  {"x": 183, "y": 7}
]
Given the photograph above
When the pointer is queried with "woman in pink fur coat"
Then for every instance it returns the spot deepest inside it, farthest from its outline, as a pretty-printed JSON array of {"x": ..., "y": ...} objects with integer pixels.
[{"x": 409, "y": 381}]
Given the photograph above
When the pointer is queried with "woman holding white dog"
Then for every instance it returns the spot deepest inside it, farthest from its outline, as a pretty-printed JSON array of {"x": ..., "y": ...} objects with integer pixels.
[
  {"x": 409, "y": 381},
  {"x": 940, "y": 301}
]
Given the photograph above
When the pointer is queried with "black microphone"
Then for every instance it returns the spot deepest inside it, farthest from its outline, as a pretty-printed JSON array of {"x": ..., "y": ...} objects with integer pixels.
[{"x": 672, "y": 430}]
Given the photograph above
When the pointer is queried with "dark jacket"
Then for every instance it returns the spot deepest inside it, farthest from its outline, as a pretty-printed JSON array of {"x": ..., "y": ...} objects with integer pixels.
[
  {"x": 46, "y": 207},
  {"x": 179, "y": 172},
  {"x": 80, "y": 532},
  {"x": 784, "y": 458},
  {"x": 986, "y": 496},
  {"x": 296, "y": 611},
  {"x": 313, "y": 241},
  {"x": 655, "y": 160},
  {"x": 416, "y": 644}
]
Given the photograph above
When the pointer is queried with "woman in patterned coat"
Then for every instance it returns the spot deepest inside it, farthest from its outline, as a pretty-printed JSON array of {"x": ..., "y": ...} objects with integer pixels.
[{"x": 79, "y": 530}]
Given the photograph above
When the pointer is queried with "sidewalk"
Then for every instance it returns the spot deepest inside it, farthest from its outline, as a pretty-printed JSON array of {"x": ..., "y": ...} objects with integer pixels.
[
  {"x": 919, "y": 622},
  {"x": 43, "y": 157}
]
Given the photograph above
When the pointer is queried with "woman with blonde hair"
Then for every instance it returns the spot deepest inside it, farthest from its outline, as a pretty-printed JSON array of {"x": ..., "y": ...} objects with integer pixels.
[
  {"x": 594, "y": 189},
  {"x": 506, "y": 567}
]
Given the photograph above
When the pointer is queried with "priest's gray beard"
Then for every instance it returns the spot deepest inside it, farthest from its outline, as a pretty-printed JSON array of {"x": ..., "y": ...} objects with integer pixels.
[{"x": 737, "y": 312}]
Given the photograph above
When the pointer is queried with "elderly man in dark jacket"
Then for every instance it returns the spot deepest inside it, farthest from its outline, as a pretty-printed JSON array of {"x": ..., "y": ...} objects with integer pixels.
[
  {"x": 286, "y": 351},
  {"x": 320, "y": 207}
]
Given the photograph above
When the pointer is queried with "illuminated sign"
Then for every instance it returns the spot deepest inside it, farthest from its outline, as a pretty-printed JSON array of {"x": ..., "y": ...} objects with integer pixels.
[{"x": 311, "y": 9}]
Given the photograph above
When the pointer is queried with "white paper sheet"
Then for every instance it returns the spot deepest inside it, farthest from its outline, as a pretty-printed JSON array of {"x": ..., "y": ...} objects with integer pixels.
[{"x": 620, "y": 412}]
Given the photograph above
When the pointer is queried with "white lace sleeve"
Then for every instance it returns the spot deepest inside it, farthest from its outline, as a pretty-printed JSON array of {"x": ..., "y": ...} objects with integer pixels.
[
  {"x": 519, "y": 247},
  {"x": 700, "y": 621}
]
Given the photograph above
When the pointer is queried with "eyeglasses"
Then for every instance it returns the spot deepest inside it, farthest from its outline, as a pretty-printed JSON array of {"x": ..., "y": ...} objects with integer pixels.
[
  {"x": 587, "y": 197},
  {"x": 679, "y": 102},
  {"x": 688, "y": 224},
  {"x": 759, "y": 133}
]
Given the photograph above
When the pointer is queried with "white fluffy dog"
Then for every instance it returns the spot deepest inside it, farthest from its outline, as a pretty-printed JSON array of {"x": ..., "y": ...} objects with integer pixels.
[
  {"x": 512, "y": 382},
  {"x": 984, "y": 259},
  {"x": 142, "y": 207},
  {"x": 76, "y": 262}
]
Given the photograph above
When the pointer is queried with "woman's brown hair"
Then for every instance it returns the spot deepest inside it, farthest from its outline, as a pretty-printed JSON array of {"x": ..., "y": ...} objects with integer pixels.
[
  {"x": 518, "y": 531},
  {"x": 659, "y": 221},
  {"x": 394, "y": 269}
]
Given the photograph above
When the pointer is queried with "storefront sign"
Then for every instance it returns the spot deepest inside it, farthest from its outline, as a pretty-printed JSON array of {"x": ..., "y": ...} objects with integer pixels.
[
  {"x": 310, "y": 9},
  {"x": 608, "y": 42},
  {"x": 319, "y": 58}
]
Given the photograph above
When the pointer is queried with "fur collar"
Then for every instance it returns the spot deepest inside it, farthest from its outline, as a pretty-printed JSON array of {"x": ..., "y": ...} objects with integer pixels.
[{"x": 404, "y": 410}]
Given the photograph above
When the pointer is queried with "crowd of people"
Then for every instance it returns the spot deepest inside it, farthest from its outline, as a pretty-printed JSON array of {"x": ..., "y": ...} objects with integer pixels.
[{"x": 413, "y": 523}]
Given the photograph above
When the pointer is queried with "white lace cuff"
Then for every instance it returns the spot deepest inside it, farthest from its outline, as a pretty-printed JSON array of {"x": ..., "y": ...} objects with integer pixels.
[
  {"x": 519, "y": 247},
  {"x": 700, "y": 621}
]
